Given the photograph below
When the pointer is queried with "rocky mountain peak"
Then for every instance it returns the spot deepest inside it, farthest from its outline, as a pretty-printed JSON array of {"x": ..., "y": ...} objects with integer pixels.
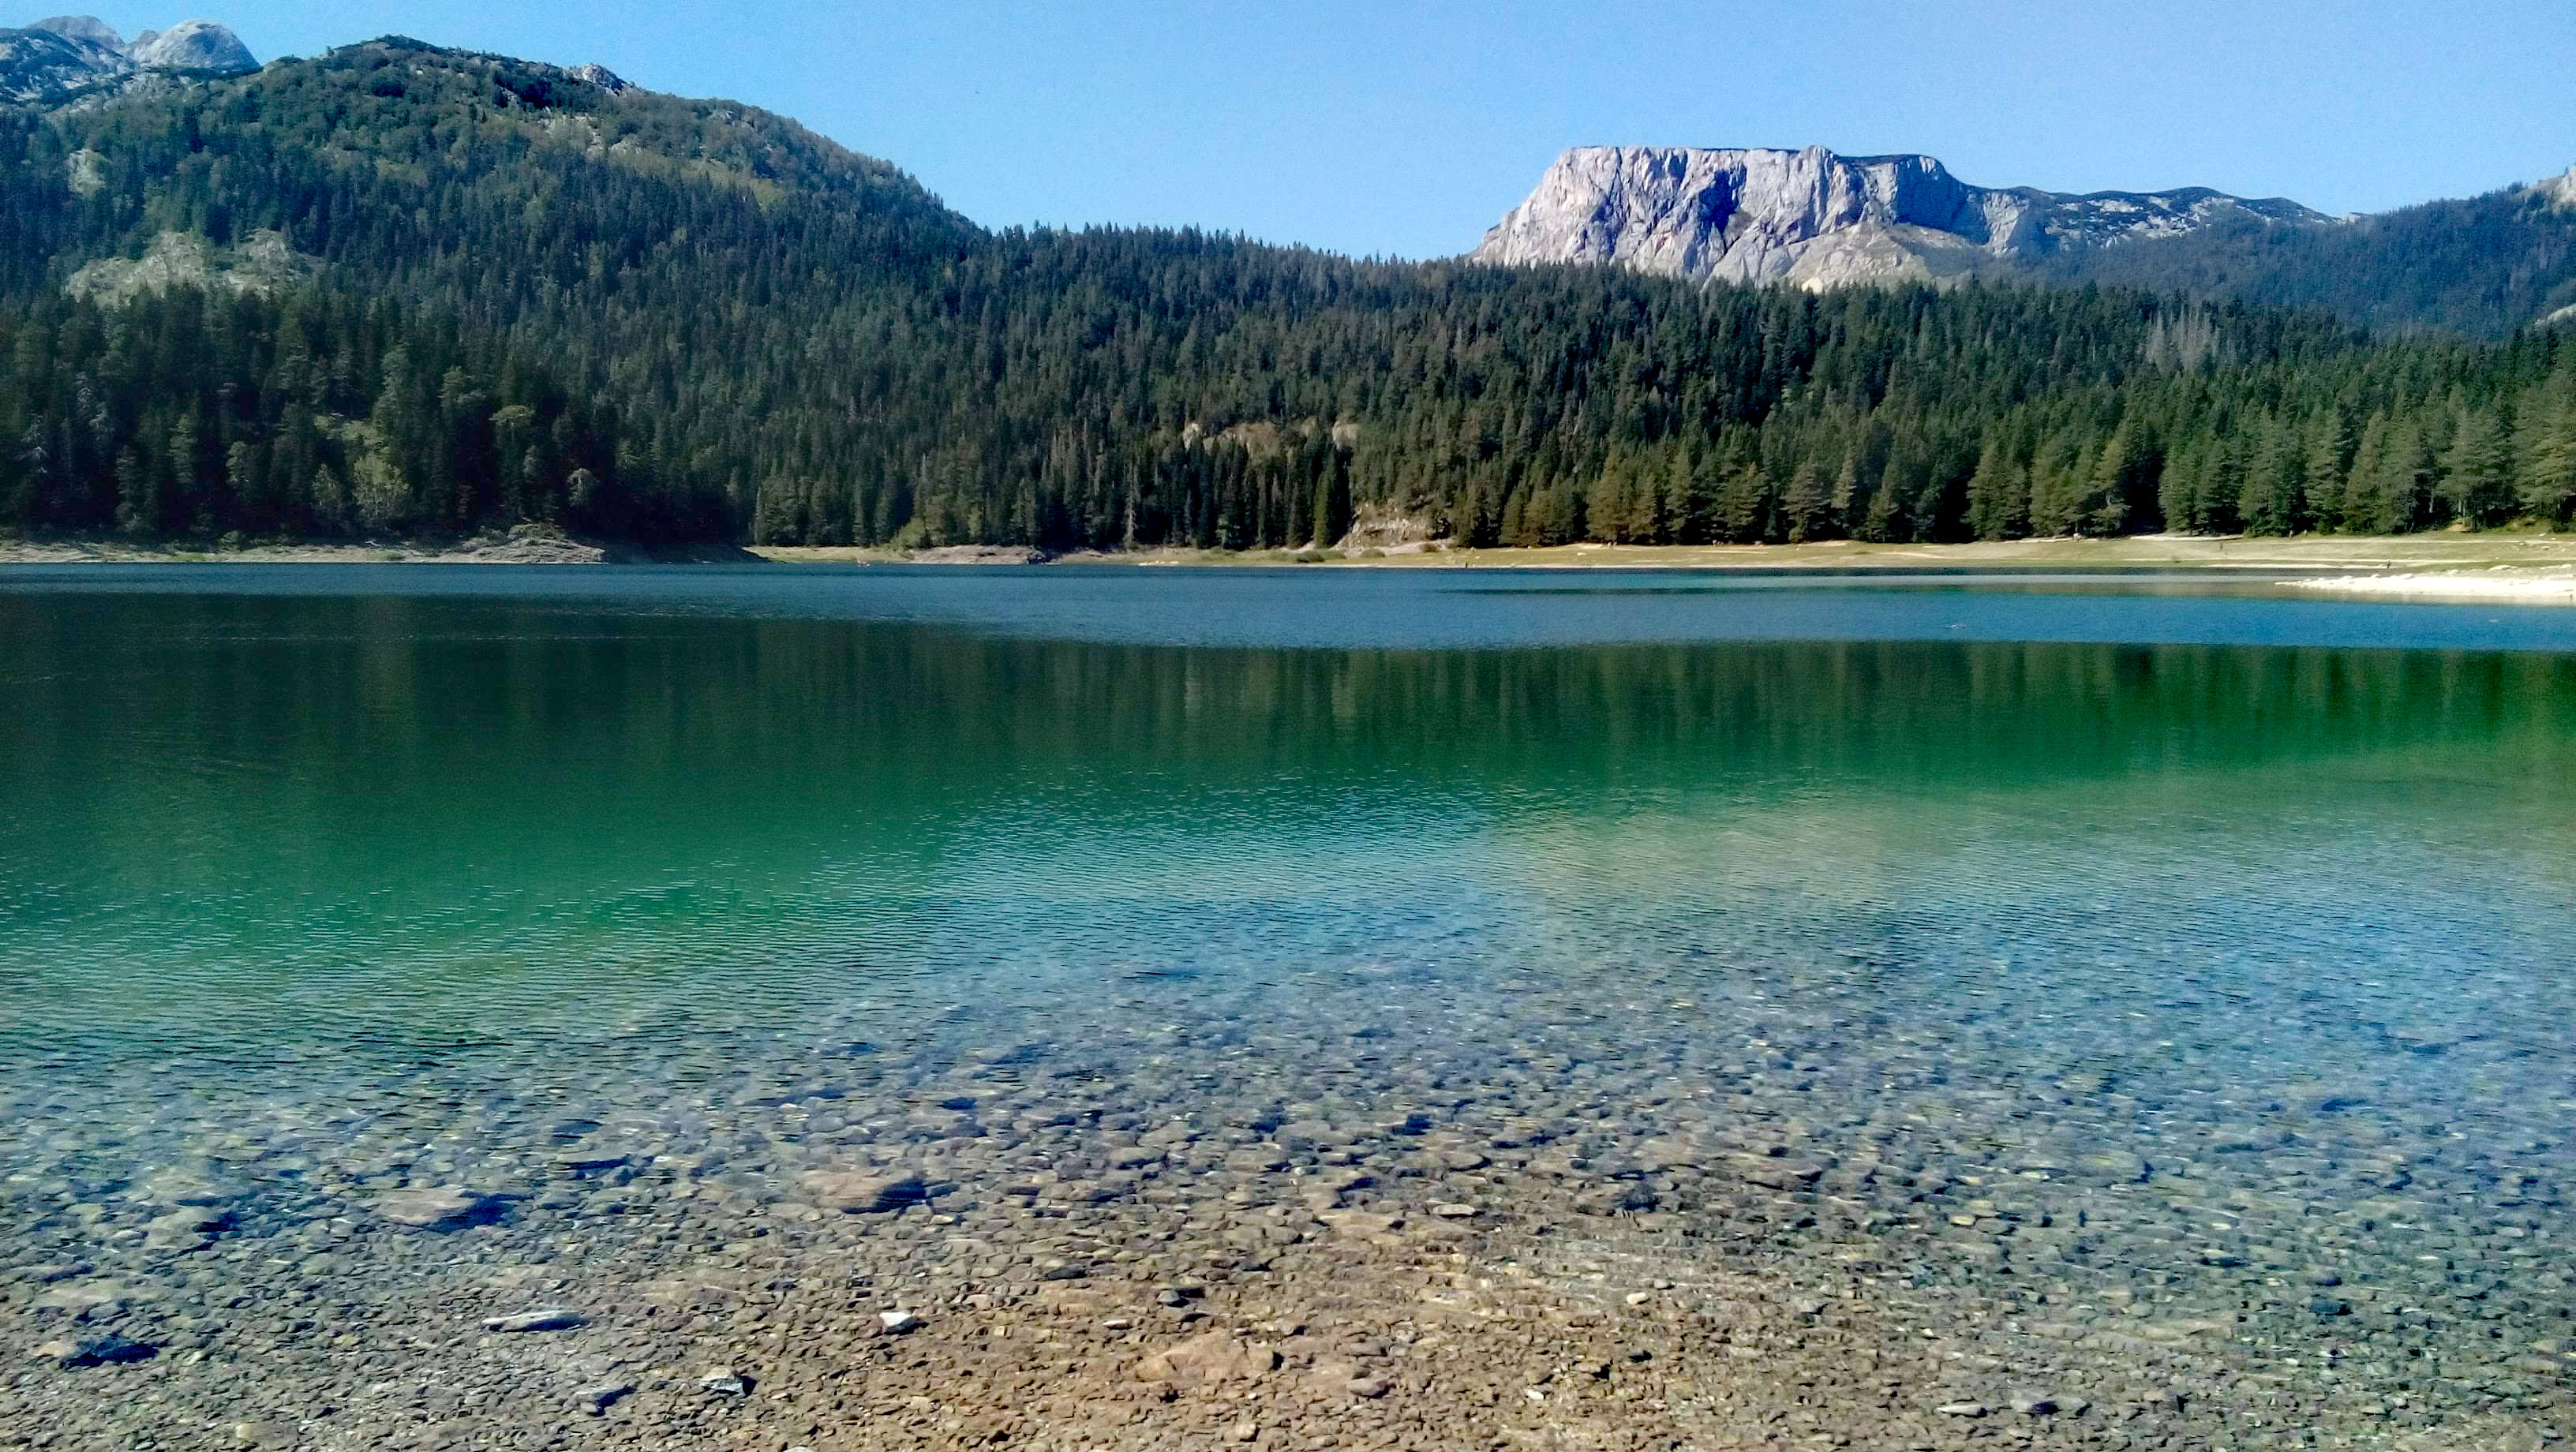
[
  {"x": 192, "y": 45},
  {"x": 66, "y": 56},
  {"x": 87, "y": 29},
  {"x": 1818, "y": 219},
  {"x": 601, "y": 76}
]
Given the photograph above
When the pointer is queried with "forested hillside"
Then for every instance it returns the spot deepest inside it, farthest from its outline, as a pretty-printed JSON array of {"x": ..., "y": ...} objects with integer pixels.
[
  {"x": 2478, "y": 267},
  {"x": 405, "y": 289}
]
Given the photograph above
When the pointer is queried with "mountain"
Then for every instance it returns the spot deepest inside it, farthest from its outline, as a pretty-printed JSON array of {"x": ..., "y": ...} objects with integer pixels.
[
  {"x": 399, "y": 288},
  {"x": 2481, "y": 267},
  {"x": 2478, "y": 267},
  {"x": 191, "y": 45},
  {"x": 1819, "y": 220},
  {"x": 68, "y": 56},
  {"x": 39, "y": 64}
]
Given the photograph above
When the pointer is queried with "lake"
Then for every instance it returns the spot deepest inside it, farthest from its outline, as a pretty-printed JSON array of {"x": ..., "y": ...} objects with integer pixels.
[{"x": 2161, "y": 985}]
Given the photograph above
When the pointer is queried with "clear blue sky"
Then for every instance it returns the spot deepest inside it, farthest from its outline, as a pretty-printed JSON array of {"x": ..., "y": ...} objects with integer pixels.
[{"x": 1406, "y": 126}]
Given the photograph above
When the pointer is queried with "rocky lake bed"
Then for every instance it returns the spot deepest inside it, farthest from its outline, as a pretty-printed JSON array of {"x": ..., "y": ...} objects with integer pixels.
[{"x": 1783, "y": 1216}]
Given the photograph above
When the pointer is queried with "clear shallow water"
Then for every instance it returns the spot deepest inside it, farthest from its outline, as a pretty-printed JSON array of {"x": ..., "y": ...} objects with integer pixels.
[
  {"x": 2245, "y": 917},
  {"x": 514, "y": 802}
]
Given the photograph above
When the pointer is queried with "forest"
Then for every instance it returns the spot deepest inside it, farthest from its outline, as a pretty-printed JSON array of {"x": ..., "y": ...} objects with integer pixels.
[{"x": 516, "y": 296}]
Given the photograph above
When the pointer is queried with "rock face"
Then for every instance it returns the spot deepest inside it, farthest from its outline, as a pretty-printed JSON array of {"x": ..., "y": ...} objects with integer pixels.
[
  {"x": 260, "y": 263},
  {"x": 2560, "y": 190},
  {"x": 1821, "y": 220},
  {"x": 86, "y": 29},
  {"x": 67, "y": 56},
  {"x": 37, "y": 64},
  {"x": 602, "y": 77},
  {"x": 192, "y": 45}
]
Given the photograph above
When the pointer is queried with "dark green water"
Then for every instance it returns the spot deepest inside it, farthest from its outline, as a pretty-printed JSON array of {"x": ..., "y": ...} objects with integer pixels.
[
  {"x": 362, "y": 803},
  {"x": 324, "y": 881},
  {"x": 341, "y": 804}
]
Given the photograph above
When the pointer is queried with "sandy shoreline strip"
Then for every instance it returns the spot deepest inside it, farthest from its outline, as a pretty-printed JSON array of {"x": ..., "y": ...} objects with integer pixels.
[{"x": 2503, "y": 584}]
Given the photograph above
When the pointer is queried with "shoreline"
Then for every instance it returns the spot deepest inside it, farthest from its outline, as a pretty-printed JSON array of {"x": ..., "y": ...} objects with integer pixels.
[
  {"x": 2234, "y": 554},
  {"x": 521, "y": 547},
  {"x": 2421, "y": 565},
  {"x": 2545, "y": 585}
]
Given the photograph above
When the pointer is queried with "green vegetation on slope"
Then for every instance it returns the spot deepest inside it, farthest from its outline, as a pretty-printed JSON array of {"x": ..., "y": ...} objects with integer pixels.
[
  {"x": 2479, "y": 267},
  {"x": 632, "y": 313}
]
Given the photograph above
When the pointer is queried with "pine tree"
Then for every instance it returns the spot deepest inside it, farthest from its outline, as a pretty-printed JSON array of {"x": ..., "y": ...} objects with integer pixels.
[
  {"x": 1844, "y": 509},
  {"x": 2178, "y": 491},
  {"x": 1808, "y": 506},
  {"x": 2272, "y": 498},
  {"x": 2365, "y": 484},
  {"x": 2545, "y": 484},
  {"x": 2057, "y": 481},
  {"x": 2331, "y": 446},
  {"x": 1743, "y": 508},
  {"x": 1993, "y": 494},
  {"x": 2476, "y": 482},
  {"x": 2104, "y": 508},
  {"x": 1694, "y": 487},
  {"x": 1612, "y": 505},
  {"x": 138, "y": 495},
  {"x": 1881, "y": 522},
  {"x": 2400, "y": 482}
]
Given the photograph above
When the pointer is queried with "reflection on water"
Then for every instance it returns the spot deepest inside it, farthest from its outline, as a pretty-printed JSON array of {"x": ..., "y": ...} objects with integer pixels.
[{"x": 2250, "y": 952}]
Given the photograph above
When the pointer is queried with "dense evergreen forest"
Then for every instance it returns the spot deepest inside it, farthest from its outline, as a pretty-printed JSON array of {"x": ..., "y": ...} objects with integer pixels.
[
  {"x": 509, "y": 294},
  {"x": 2475, "y": 266}
]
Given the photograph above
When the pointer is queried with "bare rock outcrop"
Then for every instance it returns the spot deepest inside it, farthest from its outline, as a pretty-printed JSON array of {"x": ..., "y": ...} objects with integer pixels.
[
  {"x": 2560, "y": 190},
  {"x": 38, "y": 64},
  {"x": 84, "y": 29},
  {"x": 1819, "y": 220},
  {"x": 260, "y": 263},
  {"x": 192, "y": 45},
  {"x": 64, "y": 57}
]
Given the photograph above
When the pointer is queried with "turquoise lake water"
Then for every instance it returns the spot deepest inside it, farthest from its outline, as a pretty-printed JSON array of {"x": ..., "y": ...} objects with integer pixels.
[
  {"x": 2075, "y": 880},
  {"x": 416, "y": 806}
]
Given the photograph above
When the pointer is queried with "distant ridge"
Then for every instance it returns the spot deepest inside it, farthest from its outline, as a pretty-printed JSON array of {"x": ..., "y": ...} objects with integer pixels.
[
  {"x": 1820, "y": 220},
  {"x": 66, "y": 56}
]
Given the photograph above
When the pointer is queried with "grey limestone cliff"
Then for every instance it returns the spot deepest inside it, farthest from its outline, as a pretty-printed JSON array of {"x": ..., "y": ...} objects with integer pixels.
[
  {"x": 68, "y": 56},
  {"x": 1820, "y": 220},
  {"x": 191, "y": 45},
  {"x": 2560, "y": 190}
]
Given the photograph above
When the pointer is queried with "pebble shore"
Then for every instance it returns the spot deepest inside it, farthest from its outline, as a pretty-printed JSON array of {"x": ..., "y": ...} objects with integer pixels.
[{"x": 1787, "y": 1209}]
